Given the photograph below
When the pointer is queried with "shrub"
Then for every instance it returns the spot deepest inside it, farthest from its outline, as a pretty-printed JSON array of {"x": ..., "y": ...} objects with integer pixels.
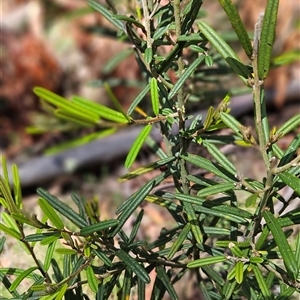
[{"x": 235, "y": 250}]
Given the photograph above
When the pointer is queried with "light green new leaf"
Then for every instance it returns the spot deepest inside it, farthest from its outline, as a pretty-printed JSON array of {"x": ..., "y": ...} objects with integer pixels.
[
  {"x": 137, "y": 145},
  {"x": 20, "y": 278},
  {"x": 61, "y": 292},
  {"x": 267, "y": 38},
  {"x": 186, "y": 74},
  {"x": 285, "y": 250},
  {"x": 225, "y": 50},
  {"x": 239, "y": 272},
  {"x": 63, "y": 208},
  {"x": 291, "y": 180},
  {"x": 50, "y": 213},
  {"x": 237, "y": 25},
  {"x": 98, "y": 227},
  {"x": 206, "y": 261},
  {"x": 133, "y": 265},
  {"x": 154, "y": 95},
  {"x": 91, "y": 278},
  {"x": 65, "y": 251},
  {"x": 12, "y": 232}
]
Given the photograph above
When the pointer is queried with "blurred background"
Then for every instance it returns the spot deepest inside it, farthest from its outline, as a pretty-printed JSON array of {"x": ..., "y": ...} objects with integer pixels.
[{"x": 66, "y": 47}]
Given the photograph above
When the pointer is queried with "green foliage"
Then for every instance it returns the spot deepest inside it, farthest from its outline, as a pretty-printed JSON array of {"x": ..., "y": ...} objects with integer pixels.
[{"x": 235, "y": 252}]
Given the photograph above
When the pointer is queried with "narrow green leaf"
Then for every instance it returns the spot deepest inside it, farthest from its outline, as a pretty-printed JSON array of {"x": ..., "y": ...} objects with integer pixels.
[
  {"x": 36, "y": 237},
  {"x": 17, "y": 186},
  {"x": 225, "y": 50},
  {"x": 251, "y": 200},
  {"x": 130, "y": 20},
  {"x": 5, "y": 190},
  {"x": 133, "y": 265},
  {"x": 74, "y": 118},
  {"x": 267, "y": 38},
  {"x": 98, "y": 227},
  {"x": 130, "y": 205},
  {"x": 163, "y": 276},
  {"x": 106, "y": 13},
  {"x": 65, "y": 251},
  {"x": 138, "y": 143},
  {"x": 147, "y": 168},
  {"x": 288, "y": 257},
  {"x": 261, "y": 282},
  {"x": 215, "y": 189},
  {"x": 226, "y": 211},
  {"x": 12, "y": 232},
  {"x": 232, "y": 123},
  {"x": 20, "y": 278},
  {"x": 138, "y": 99},
  {"x": 103, "y": 257},
  {"x": 231, "y": 273},
  {"x": 291, "y": 180},
  {"x": 50, "y": 213},
  {"x": 141, "y": 286},
  {"x": 136, "y": 226},
  {"x": 66, "y": 107},
  {"x": 148, "y": 55},
  {"x": 239, "y": 272},
  {"x": 237, "y": 25},
  {"x": 91, "y": 278},
  {"x": 126, "y": 288},
  {"x": 49, "y": 255},
  {"x": 63, "y": 208},
  {"x": 206, "y": 261},
  {"x": 290, "y": 125},
  {"x": 61, "y": 292},
  {"x": 101, "y": 110},
  {"x": 186, "y": 74},
  {"x": 179, "y": 241},
  {"x": 209, "y": 117},
  {"x": 154, "y": 95},
  {"x": 209, "y": 166},
  {"x": 219, "y": 157}
]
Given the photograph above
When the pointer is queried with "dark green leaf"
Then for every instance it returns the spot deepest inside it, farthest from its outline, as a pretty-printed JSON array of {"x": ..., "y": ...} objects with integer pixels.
[
  {"x": 237, "y": 25},
  {"x": 49, "y": 255},
  {"x": 50, "y": 213},
  {"x": 163, "y": 276},
  {"x": 186, "y": 74},
  {"x": 289, "y": 259},
  {"x": 291, "y": 180},
  {"x": 225, "y": 50},
  {"x": 261, "y": 282},
  {"x": 63, "y": 208},
  {"x": 267, "y": 38},
  {"x": 87, "y": 230},
  {"x": 133, "y": 265}
]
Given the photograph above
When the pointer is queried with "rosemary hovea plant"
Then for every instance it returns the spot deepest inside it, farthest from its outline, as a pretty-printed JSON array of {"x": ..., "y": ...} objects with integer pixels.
[{"x": 235, "y": 249}]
